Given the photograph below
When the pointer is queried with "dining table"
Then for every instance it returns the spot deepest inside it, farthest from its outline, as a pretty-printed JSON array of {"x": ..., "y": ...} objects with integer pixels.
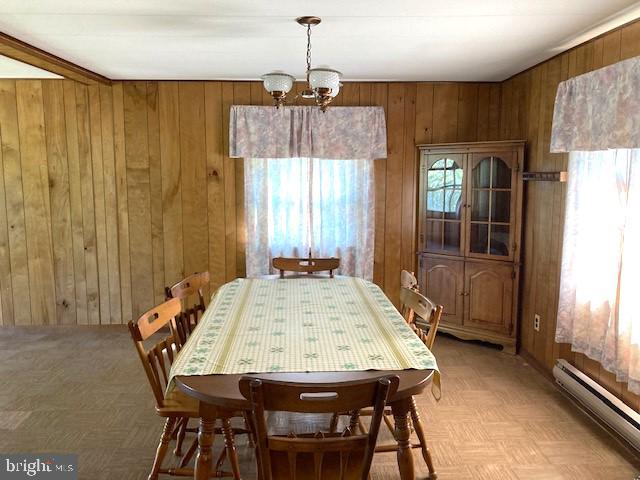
[{"x": 306, "y": 330}]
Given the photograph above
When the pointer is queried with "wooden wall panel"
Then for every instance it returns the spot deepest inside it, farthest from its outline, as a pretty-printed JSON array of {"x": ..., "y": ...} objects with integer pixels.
[
  {"x": 394, "y": 184},
  {"x": 6, "y": 290},
  {"x": 229, "y": 182},
  {"x": 155, "y": 192},
  {"x": 95, "y": 129},
  {"x": 75, "y": 201},
  {"x": 15, "y": 206},
  {"x": 241, "y": 96},
  {"x": 110, "y": 203},
  {"x": 88, "y": 207},
  {"x": 445, "y": 113},
  {"x": 409, "y": 187},
  {"x": 468, "y": 111},
  {"x": 215, "y": 185},
  {"x": 124, "y": 257},
  {"x": 379, "y": 98},
  {"x": 194, "y": 183},
  {"x": 37, "y": 208},
  {"x": 55, "y": 127},
  {"x": 424, "y": 113},
  {"x": 169, "y": 124},
  {"x": 526, "y": 112},
  {"x": 143, "y": 192},
  {"x": 139, "y": 196}
]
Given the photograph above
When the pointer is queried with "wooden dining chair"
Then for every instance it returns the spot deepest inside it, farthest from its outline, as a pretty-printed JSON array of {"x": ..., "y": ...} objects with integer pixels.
[
  {"x": 423, "y": 316},
  {"x": 175, "y": 406},
  {"x": 322, "y": 455},
  {"x": 414, "y": 304},
  {"x": 305, "y": 265},
  {"x": 191, "y": 293}
]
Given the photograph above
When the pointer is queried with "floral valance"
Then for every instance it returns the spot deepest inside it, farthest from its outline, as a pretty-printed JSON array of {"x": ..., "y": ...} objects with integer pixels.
[
  {"x": 599, "y": 110},
  {"x": 340, "y": 133}
]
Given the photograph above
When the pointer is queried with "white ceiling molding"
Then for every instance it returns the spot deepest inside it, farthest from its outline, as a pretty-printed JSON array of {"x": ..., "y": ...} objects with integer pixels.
[
  {"x": 625, "y": 16},
  {"x": 413, "y": 40}
]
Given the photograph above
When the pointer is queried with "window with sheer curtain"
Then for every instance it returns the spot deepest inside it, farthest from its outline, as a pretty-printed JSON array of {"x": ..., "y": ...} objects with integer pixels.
[
  {"x": 599, "y": 307},
  {"x": 297, "y": 206}
]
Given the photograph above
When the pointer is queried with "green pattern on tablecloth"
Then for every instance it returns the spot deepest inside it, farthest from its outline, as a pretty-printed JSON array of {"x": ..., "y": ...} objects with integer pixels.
[{"x": 301, "y": 325}]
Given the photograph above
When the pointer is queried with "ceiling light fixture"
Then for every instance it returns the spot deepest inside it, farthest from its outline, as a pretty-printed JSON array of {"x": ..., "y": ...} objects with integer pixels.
[{"x": 323, "y": 84}]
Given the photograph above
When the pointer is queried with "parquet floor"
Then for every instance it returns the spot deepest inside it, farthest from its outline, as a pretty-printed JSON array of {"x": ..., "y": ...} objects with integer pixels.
[{"x": 82, "y": 390}]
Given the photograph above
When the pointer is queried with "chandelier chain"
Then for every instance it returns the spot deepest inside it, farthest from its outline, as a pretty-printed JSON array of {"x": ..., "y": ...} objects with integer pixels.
[{"x": 308, "y": 50}]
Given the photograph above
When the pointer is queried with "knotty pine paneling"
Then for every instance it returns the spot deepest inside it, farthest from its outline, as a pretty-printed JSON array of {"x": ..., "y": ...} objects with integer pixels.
[
  {"x": 526, "y": 112},
  {"x": 110, "y": 193}
]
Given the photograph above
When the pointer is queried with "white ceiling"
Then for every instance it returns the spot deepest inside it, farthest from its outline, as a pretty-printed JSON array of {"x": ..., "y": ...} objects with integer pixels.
[
  {"x": 482, "y": 40},
  {"x": 10, "y": 68}
]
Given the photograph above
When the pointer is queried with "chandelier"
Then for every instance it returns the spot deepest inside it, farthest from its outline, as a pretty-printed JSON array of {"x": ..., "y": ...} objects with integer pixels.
[{"x": 323, "y": 84}]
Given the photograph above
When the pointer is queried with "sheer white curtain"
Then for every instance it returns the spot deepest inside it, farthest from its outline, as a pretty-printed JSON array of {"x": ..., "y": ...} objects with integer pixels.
[
  {"x": 297, "y": 205},
  {"x": 599, "y": 308}
]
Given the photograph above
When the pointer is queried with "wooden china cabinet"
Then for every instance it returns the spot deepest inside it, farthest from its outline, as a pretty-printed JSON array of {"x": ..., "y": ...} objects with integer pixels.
[{"x": 469, "y": 232}]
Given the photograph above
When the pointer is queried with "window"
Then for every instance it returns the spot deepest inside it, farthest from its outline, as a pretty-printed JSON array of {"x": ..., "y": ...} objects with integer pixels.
[
  {"x": 444, "y": 187},
  {"x": 295, "y": 206},
  {"x": 599, "y": 305}
]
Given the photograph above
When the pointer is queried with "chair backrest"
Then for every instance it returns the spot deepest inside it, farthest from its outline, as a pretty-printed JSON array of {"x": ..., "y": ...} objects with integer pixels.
[
  {"x": 408, "y": 279},
  {"x": 306, "y": 265},
  {"x": 343, "y": 456},
  {"x": 414, "y": 303},
  {"x": 157, "y": 360},
  {"x": 192, "y": 308}
]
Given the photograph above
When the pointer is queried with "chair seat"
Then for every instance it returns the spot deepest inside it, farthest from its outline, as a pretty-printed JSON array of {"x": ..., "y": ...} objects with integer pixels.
[{"x": 178, "y": 404}]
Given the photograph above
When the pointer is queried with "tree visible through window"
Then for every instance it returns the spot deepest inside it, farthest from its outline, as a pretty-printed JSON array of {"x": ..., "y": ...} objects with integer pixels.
[{"x": 444, "y": 186}]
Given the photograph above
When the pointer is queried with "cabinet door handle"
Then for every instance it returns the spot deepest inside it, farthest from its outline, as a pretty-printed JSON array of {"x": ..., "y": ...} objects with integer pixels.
[{"x": 464, "y": 294}]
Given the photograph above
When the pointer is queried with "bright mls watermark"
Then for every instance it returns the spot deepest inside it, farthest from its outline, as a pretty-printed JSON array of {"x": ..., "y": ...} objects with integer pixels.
[{"x": 45, "y": 466}]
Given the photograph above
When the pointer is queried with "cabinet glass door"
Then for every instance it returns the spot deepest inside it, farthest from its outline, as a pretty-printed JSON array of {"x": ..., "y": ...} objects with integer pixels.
[
  {"x": 443, "y": 204},
  {"x": 491, "y": 183}
]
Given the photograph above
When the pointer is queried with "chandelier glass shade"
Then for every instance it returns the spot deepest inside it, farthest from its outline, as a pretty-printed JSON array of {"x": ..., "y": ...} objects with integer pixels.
[
  {"x": 325, "y": 78},
  {"x": 323, "y": 83},
  {"x": 278, "y": 82}
]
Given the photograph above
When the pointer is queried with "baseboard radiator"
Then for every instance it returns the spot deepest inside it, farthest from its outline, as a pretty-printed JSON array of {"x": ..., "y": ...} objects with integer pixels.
[{"x": 599, "y": 401}]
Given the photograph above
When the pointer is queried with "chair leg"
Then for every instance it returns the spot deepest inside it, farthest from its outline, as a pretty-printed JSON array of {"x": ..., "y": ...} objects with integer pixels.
[
  {"x": 333, "y": 425},
  {"x": 167, "y": 432},
  {"x": 189, "y": 455},
  {"x": 230, "y": 447},
  {"x": 182, "y": 430},
  {"x": 354, "y": 420},
  {"x": 249, "y": 428},
  {"x": 417, "y": 425}
]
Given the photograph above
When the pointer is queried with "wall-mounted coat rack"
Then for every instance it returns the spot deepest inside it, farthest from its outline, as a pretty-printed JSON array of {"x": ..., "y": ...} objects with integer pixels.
[{"x": 544, "y": 176}]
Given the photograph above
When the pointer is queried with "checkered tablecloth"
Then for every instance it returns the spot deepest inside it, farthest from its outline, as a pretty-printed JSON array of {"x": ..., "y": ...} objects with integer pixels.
[{"x": 301, "y": 325}]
